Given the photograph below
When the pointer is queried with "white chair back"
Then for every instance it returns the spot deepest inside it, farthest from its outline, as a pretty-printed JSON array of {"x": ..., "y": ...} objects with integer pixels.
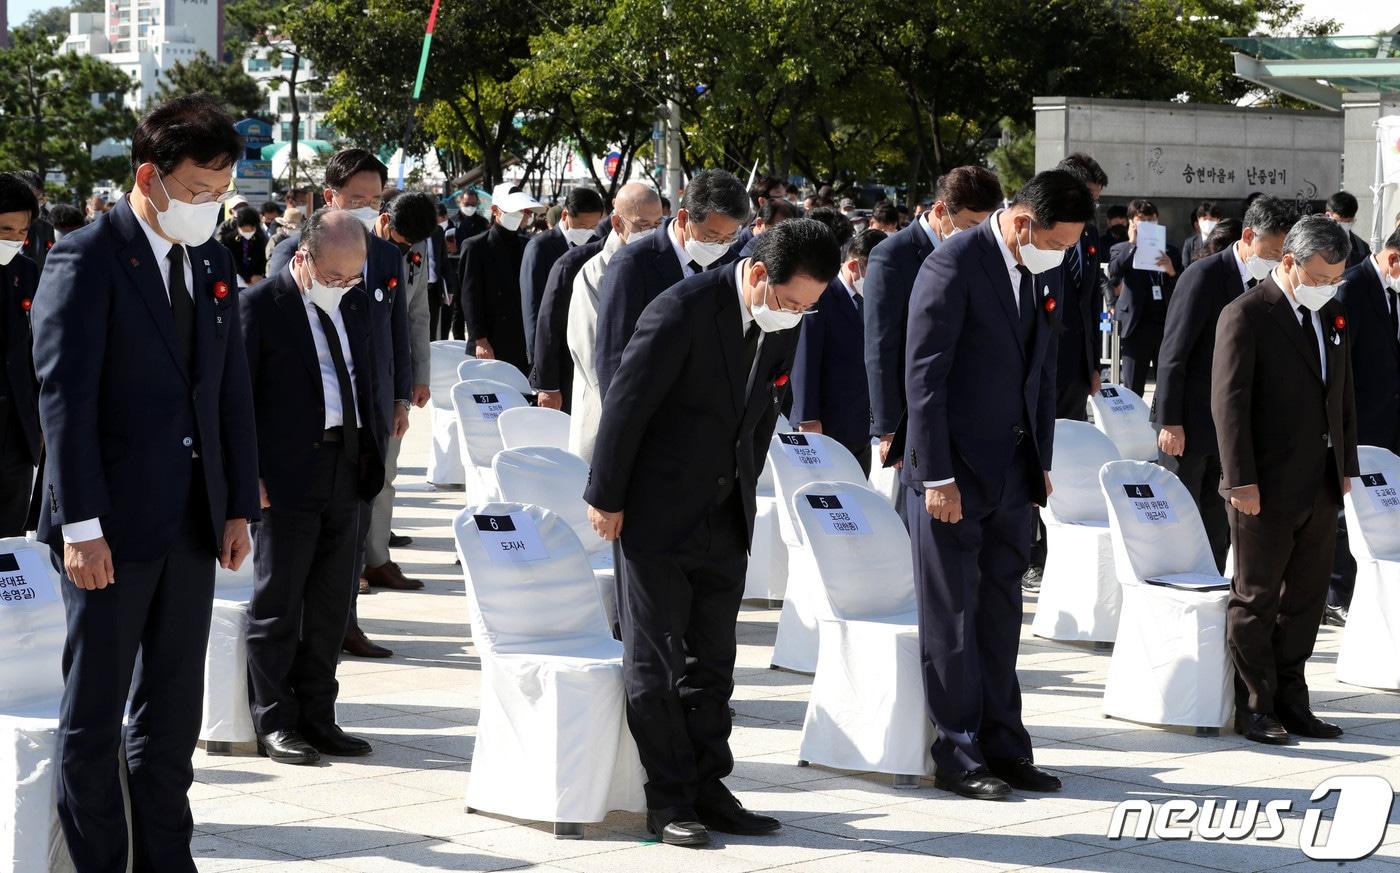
[
  {"x": 1156, "y": 520},
  {"x": 765, "y": 476},
  {"x": 798, "y": 459},
  {"x": 861, "y": 549},
  {"x": 497, "y": 371},
  {"x": 33, "y": 626},
  {"x": 443, "y": 356},
  {"x": 479, "y": 403},
  {"x": 553, "y": 478},
  {"x": 1373, "y": 506},
  {"x": 1124, "y": 418},
  {"x": 1081, "y": 450},
  {"x": 534, "y": 426},
  {"x": 529, "y": 584}
]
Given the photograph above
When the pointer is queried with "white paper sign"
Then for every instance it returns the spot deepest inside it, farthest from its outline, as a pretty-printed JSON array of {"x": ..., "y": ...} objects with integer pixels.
[
  {"x": 837, "y": 518},
  {"x": 511, "y": 539},
  {"x": 1384, "y": 496},
  {"x": 1151, "y": 245},
  {"x": 24, "y": 579},
  {"x": 1116, "y": 403},
  {"x": 801, "y": 451},
  {"x": 1150, "y": 508},
  {"x": 488, "y": 406}
]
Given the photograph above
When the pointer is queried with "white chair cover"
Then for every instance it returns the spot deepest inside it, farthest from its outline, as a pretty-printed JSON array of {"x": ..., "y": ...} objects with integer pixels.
[
  {"x": 1125, "y": 419},
  {"x": 552, "y": 742},
  {"x": 445, "y": 461},
  {"x": 33, "y": 626},
  {"x": 534, "y": 426},
  {"x": 1170, "y": 665},
  {"x": 866, "y": 710},
  {"x": 1370, "y": 653},
  {"x": 227, "y": 718},
  {"x": 766, "y": 578},
  {"x": 478, "y": 404},
  {"x": 497, "y": 371},
  {"x": 1079, "y": 594}
]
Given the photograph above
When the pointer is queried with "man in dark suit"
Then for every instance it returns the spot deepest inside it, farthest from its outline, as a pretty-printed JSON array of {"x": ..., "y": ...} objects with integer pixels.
[
  {"x": 442, "y": 280},
  {"x": 490, "y": 281},
  {"x": 19, "y": 408},
  {"x": 685, "y": 430},
  {"x": 1077, "y": 369},
  {"x": 1204, "y": 219},
  {"x": 1286, "y": 422},
  {"x": 150, "y": 477},
  {"x": 963, "y": 198},
  {"x": 464, "y": 224},
  {"x": 583, "y": 209},
  {"x": 1142, "y": 297},
  {"x": 551, "y": 367},
  {"x": 980, "y": 430},
  {"x": 830, "y": 394},
  {"x": 699, "y": 238},
  {"x": 1184, "y": 379},
  {"x": 307, "y": 333},
  {"x": 41, "y": 231},
  {"x": 1341, "y": 208}
]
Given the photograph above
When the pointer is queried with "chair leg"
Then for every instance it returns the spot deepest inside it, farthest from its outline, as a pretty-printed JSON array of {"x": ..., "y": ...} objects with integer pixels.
[
  {"x": 774, "y": 604},
  {"x": 1102, "y": 646},
  {"x": 469, "y": 810},
  {"x": 802, "y": 763},
  {"x": 1207, "y": 731},
  {"x": 904, "y": 781},
  {"x": 568, "y": 830},
  {"x": 217, "y": 748}
]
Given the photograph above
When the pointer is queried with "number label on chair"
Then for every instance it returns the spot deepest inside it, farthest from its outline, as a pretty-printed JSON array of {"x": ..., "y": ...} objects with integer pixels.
[
  {"x": 24, "y": 579},
  {"x": 1116, "y": 403},
  {"x": 801, "y": 451},
  {"x": 836, "y": 519},
  {"x": 488, "y": 406},
  {"x": 1384, "y": 496},
  {"x": 510, "y": 539},
  {"x": 1150, "y": 509}
]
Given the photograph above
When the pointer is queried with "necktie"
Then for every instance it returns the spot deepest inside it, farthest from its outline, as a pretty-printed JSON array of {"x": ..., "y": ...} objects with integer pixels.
[
  {"x": 860, "y": 304},
  {"x": 694, "y": 267},
  {"x": 1076, "y": 267},
  {"x": 351, "y": 429},
  {"x": 1251, "y": 283},
  {"x": 1310, "y": 336},
  {"x": 1390, "y": 298},
  {"x": 750, "y": 344},
  {"x": 1026, "y": 305},
  {"x": 182, "y": 307}
]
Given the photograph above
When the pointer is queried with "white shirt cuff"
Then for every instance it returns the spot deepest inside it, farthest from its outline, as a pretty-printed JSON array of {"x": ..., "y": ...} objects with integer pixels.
[
  {"x": 82, "y": 531},
  {"x": 939, "y": 484}
]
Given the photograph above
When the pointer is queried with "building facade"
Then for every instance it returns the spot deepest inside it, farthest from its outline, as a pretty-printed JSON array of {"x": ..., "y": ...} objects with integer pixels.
[{"x": 144, "y": 38}]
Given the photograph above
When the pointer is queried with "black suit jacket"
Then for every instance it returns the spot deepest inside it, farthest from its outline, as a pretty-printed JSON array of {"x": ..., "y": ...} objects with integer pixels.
[
  {"x": 541, "y": 251},
  {"x": 677, "y": 425},
  {"x": 1187, "y": 354},
  {"x": 828, "y": 373},
  {"x": 1135, "y": 305},
  {"x": 446, "y": 270},
  {"x": 1078, "y": 350},
  {"x": 1272, "y": 412},
  {"x": 38, "y": 242},
  {"x": 288, "y": 398},
  {"x": 552, "y": 367},
  {"x": 255, "y": 264},
  {"x": 491, "y": 293},
  {"x": 889, "y": 282},
  {"x": 1375, "y": 357},
  {"x": 18, "y": 279},
  {"x": 1192, "y": 249},
  {"x": 1360, "y": 250},
  {"x": 121, "y": 410}
]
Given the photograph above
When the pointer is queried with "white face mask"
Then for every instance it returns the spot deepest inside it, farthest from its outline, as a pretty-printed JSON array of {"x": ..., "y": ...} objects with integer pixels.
[
  {"x": 247, "y": 234},
  {"x": 577, "y": 236},
  {"x": 1259, "y": 267},
  {"x": 326, "y": 298},
  {"x": 638, "y": 235},
  {"x": 1039, "y": 260},
  {"x": 511, "y": 220},
  {"x": 443, "y": 224},
  {"x": 705, "y": 253},
  {"x": 189, "y": 224},
  {"x": 467, "y": 211},
  {"x": 8, "y": 250},
  {"x": 770, "y": 320},
  {"x": 1314, "y": 297},
  {"x": 859, "y": 284},
  {"x": 367, "y": 215},
  {"x": 1392, "y": 281},
  {"x": 1206, "y": 225}
]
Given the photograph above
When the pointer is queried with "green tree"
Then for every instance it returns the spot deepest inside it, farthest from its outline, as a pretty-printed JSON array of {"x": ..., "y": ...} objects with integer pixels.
[
  {"x": 240, "y": 94},
  {"x": 54, "y": 20},
  {"x": 1014, "y": 156}
]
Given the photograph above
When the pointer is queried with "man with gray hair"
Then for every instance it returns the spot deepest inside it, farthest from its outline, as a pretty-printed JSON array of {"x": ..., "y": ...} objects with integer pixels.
[
  {"x": 715, "y": 206},
  {"x": 1286, "y": 423},
  {"x": 307, "y": 334}
]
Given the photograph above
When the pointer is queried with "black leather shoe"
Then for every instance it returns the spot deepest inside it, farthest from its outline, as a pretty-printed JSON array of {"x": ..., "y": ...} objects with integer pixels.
[
  {"x": 287, "y": 747},
  {"x": 1030, "y": 580},
  {"x": 331, "y": 740},
  {"x": 399, "y": 541},
  {"x": 1261, "y": 727},
  {"x": 1336, "y": 616},
  {"x": 732, "y": 818},
  {"x": 977, "y": 784},
  {"x": 1301, "y": 721},
  {"x": 681, "y": 830},
  {"x": 1023, "y": 775}
]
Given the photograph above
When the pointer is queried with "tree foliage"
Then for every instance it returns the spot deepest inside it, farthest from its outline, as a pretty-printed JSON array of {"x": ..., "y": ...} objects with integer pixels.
[
  {"x": 54, "y": 20},
  {"x": 240, "y": 94}
]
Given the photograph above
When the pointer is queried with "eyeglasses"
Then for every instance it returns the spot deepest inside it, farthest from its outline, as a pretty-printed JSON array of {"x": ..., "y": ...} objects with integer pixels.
[
  {"x": 809, "y": 310},
  {"x": 336, "y": 281},
  {"x": 358, "y": 202},
  {"x": 201, "y": 197},
  {"x": 1339, "y": 281}
]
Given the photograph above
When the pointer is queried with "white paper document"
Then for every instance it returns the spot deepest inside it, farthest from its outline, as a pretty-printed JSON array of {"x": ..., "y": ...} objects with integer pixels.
[{"x": 1151, "y": 245}]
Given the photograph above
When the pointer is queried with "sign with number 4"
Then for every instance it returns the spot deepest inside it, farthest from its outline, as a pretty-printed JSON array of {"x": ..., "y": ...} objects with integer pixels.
[
  {"x": 837, "y": 519},
  {"x": 1150, "y": 508},
  {"x": 511, "y": 539},
  {"x": 1384, "y": 496}
]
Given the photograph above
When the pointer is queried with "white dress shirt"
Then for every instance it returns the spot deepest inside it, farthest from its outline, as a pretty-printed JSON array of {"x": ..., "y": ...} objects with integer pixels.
[
  {"x": 91, "y": 528},
  {"x": 1316, "y": 324},
  {"x": 330, "y": 383},
  {"x": 1392, "y": 298},
  {"x": 679, "y": 249},
  {"x": 746, "y": 319},
  {"x": 1245, "y": 276},
  {"x": 928, "y": 228},
  {"x": 432, "y": 262}
]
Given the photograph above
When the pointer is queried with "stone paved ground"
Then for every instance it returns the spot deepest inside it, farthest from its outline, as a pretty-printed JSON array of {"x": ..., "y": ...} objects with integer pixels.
[{"x": 402, "y": 808}]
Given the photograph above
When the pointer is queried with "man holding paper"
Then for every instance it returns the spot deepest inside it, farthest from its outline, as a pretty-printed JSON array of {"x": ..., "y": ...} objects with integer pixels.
[{"x": 1143, "y": 273}]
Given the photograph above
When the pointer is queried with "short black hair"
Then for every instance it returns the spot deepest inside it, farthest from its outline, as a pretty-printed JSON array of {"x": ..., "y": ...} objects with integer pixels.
[
  {"x": 1270, "y": 215},
  {"x": 17, "y": 196},
  {"x": 800, "y": 246},
  {"x": 1207, "y": 208},
  {"x": 65, "y": 217},
  {"x": 193, "y": 127},
  {"x": 776, "y": 210},
  {"x": 584, "y": 201},
  {"x": 1141, "y": 206},
  {"x": 412, "y": 216},
  {"x": 665, "y": 202},
  {"x": 860, "y": 245},
  {"x": 793, "y": 189},
  {"x": 1343, "y": 203},
  {"x": 1056, "y": 196},
  {"x": 761, "y": 186},
  {"x": 1085, "y": 167},
  {"x": 33, "y": 180},
  {"x": 440, "y": 209},
  {"x": 1116, "y": 211},
  {"x": 1392, "y": 241},
  {"x": 886, "y": 213},
  {"x": 840, "y": 226},
  {"x": 348, "y": 163},
  {"x": 972, "y": 188},
  {"x": 270, "y": 206},
  {"x": 246, "y": 217},
  {"x": 1226, "y": 233},
  {"x": 711, "y": 191}
]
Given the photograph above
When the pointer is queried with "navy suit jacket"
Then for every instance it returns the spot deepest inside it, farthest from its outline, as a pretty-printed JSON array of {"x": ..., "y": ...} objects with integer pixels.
[
  {"x": 1360, "y": 251},
  {"x": 38, "y": 242},
  {"x": 540, "y": 254},
  {"x": 386, "y": 283},
  {"x": 1375, "y": 357},
  {"x": 889, "y": 281},
  {"x": 288, "y": 397},
  {"x": 18, "y": 280},
  {"x": 121, "y": 411},
  {"x": 973, "y": 390},
  {"x": 636, "y": 275},
  {"x": 1184, "y": 363},
  {"x": 1136, "y": 305},
  {"x": 828, "y": 374},
  {"x": 1079, "y": 354},
  {"x": 552, "y": 367}
]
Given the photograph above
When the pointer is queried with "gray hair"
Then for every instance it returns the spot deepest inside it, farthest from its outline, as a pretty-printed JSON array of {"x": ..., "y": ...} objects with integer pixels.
[
  {"x": 1270, "y": 215},
  {"x": 1317, "y": 235},
  {"x": 332, "y": 228},
  {"x": 711, "y": 191}
]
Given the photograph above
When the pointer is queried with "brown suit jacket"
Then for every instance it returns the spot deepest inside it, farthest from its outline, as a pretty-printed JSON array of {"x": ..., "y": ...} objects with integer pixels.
[{"x": 1273, "y": 414}]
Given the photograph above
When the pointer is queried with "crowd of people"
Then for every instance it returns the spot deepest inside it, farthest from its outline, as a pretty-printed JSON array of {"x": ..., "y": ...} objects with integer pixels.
[{"x": 182, "y": 391}]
